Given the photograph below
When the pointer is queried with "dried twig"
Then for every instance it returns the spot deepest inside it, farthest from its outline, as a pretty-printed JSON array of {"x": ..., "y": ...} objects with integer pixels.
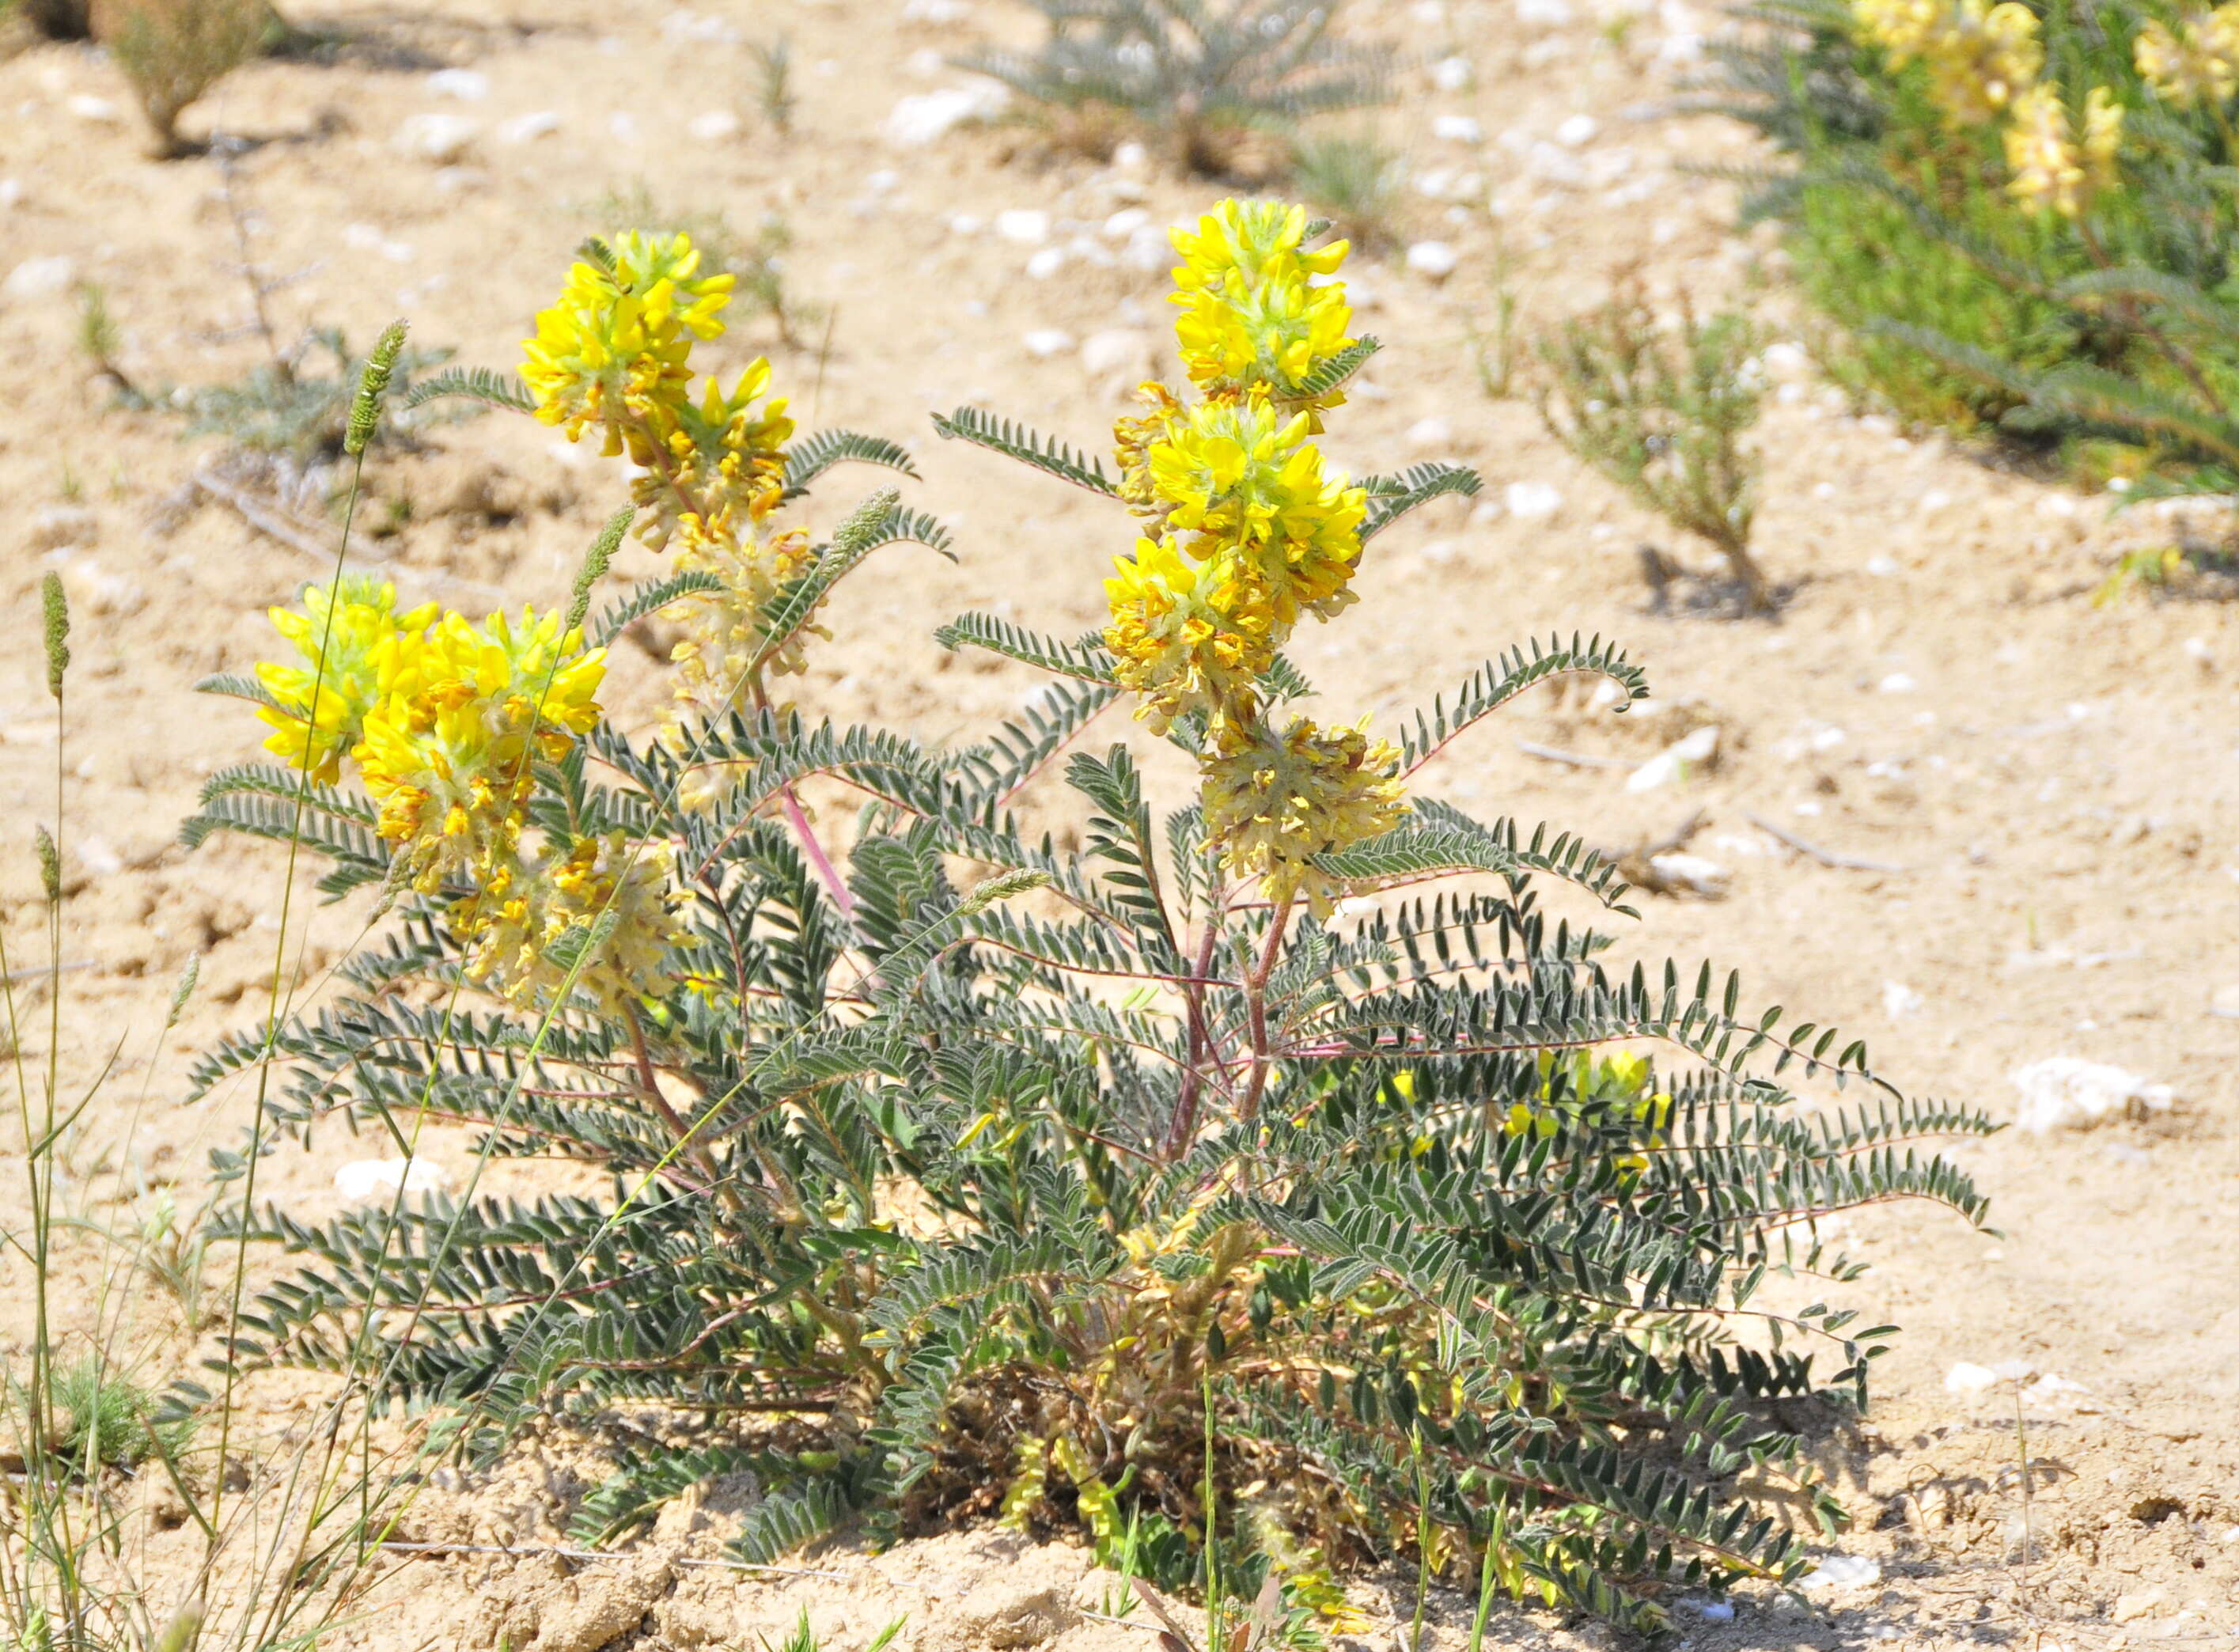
[
  {"x": 1574, "y": 759},
  {"x": 1824, "y": 857},
  {"x": 264, "y": 522},
  {"x": 537, "y": 1551}
]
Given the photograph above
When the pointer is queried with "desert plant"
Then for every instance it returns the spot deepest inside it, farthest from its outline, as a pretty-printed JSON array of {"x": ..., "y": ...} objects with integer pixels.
[
  {"x": 1193, "y": 73},
  {"x": 773, "y": 92},
  {"x": 1663, "y": 414},
  {"x": 173, "y": 52},
  {"x": 2022, "y": 217},
  {"x": 1211, "y": 1186},
  {"x": 1354, "y": 178}
]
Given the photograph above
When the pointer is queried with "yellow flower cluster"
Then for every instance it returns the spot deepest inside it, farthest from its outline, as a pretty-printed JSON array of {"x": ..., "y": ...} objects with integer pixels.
[
  {"x": 1980, "y": 57},
  {"x": 1983, "y": 61},
  {"x": 1258, "y": 310},
  {"x": 2196, "y": 62},
  {"x": 600, "y": 900},
  {"x": 318, "y": 715},
  {"x": 1273, "y": 801},
  {"x": 614, "y": 355},
  {"x": 2053, "y": 167},
  {"x": 444, "y": 720},
  {"x": 1246, "y": 531}
]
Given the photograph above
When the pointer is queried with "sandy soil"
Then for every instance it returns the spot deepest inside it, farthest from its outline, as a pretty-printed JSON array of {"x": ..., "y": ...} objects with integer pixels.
[{"x": 2055, "y": 783}]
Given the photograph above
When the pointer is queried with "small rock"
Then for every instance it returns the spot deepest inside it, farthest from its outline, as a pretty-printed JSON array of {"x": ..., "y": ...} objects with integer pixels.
[
  {"x": 526, "y": 129},
  {"x": 1150, "y": 249},
  {"x": 1711, "y": 1611},
  {"x": 59, "y": 525},
  {"x": 2065, "y": 1093},
  {"x": 1451, "y": 74},
  {"x": 1125, "y": 223},
  {"x": 11, "y": 192},
  {"x": 1577, "y": 131},
  {"x": 1116, "y": 352},
  {"x": 1900, "y": 1000},
  {"x": 1045, "y": 263},
  {"x": 1046, "y": 341},
  {"x": 1130, "y": 156},
  {"x": 926, "y": 117},
  {"x": 1883, "y": 566},
  {"x": 365, "y": 1179},
  {"x": 441, "y": 138},
  {"x": 1547, "y": 14},
  {"x": 1432, "y": 432},
  {"x": 1785, "y": 362},
  {"x": 2128, "y": 1608},
  {"x": 1025, "y": 225},
  {"x": 1433, "y": 258},
  {"x": 1458, "y": 129},
  {"x": 97, "y": 111},
  {"x": 39, "y": 277},
  {"x": 1697, "y": 874},
  {"x": 714, "y": 126},
  {"x": 1532, "y": 502},
  {"x": 1843, "y": 1571},
  {"x": 1897, "y": 682},
  {"x": 1968, "y": 1378},
  {"x": 1676, "y": 760},
  {"x": 2224, "y": 1002},
  {"x": 468, "y": 85},
  {"x": 935, "y": 11},
  {"x": 94, "y": 590}
]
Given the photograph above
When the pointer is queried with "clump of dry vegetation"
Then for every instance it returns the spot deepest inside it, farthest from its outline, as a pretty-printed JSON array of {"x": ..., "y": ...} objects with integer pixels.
[{"x": 173, "y": 51}]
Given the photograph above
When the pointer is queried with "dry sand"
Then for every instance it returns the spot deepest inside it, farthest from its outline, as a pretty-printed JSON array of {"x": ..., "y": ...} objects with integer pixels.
[{"x": 2058, "y": 783}]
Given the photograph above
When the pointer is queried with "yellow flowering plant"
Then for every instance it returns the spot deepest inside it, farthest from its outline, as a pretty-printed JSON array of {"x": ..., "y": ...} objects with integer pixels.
[
  {"x": 1109, "y": 1186},
  {"x": 2022, "y": 215}
]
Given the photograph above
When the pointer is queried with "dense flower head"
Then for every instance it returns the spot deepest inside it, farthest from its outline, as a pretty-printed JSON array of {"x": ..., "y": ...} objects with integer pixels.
[
  {"x": 1981, "y": 57},
  {"x": 724, "y": 640},
  {"x": 721, "y": 470},
  {"x": 2196, "y": 62},
  {"x": 614, "y": 351},
  {"x": 319, "y": 711},
  {"x": 447, "y": 755},
  {"x": 1273, "y": 801},
  {"x": 1185, "y": 638},
  {"x": 1259, "y": 308},
  {"x": 2055, "y": 167},
  {"x": 1247, "y": 482},
  {"x": 603, "y": 909}
]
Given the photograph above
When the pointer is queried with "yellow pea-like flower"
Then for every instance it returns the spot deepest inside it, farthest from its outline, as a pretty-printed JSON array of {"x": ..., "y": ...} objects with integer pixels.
[
  {"x": 1276, "y": 800},
  {"x": 319, "y": 713},
  {"x": 2055, "y": 167}
]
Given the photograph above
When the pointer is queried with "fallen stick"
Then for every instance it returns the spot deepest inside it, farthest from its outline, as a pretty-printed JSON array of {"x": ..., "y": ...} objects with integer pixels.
[
  {"x": 1824, "y": 857},
  {"x": 1575, "y": 760},
  {"x": 533, "y": 1551},
  {"x": 45, "y": 970},
  {"x": 259, "y": 518}
]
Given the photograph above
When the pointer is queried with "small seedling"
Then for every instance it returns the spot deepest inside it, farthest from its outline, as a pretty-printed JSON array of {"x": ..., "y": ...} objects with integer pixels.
[
  {"x": 1662, "y": 414},
  {"x": 773, "y": 91}
]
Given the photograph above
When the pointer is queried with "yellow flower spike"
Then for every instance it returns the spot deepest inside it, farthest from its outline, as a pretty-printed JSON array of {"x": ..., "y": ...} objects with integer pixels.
[
  {"x": 1184, "y": 639},
  {"x": 1275, "y": 801},
  {"x": 527, "y": 924},
  {"x": 1981, "y": 57},
  {"x": 1260, "y": 310},
  {"x": 447, "y": 754},
  {"x": 368, "y": 646},
  {"x": 2053, "y": 171}
]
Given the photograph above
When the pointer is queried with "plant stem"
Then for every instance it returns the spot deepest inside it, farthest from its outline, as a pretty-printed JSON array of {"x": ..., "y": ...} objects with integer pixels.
[{"x": 1256, "y": 997}]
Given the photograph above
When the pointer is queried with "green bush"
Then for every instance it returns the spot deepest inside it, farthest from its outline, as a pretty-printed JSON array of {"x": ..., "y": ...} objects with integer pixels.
[
  {"x": 2020, "y": 228},
  {"x": 1216, "y": 1185}
]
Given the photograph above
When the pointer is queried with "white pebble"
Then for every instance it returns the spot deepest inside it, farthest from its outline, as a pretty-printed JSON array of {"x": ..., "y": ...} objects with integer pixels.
[
  {"x": 39, "y": 277},
  {"x": 1843, "y": 1571},
  {"x": 1433, "y": 258},
  {"x": 1045, "y": 341},
  {"x": 440, "y": 138},
  {"x": 714, "y": 126},
  {"x": 1046, "y": 263},
  {"x": 1532, "y": 502},
  {"x": 1968, "y": 1378},
  {"x": 1125, "y": 223},
  {"x": 1025, "y": 225},
  {"x": 1675, "y": 760},
  {"x": 1458, "y": 129},
  {"x": 12, "y": 191},
  {"x": 1433, "y": 432},
  {"x": 965, "y": 223},
  {"x": 365, "y": 1178},
  {"x": 1696, "y": 873},
  {"x": 935, "y": 11},
  {"x": 1881, "y": 567},
  {"x": 2065, "y": 1093},
  {"x": 1900, "y": 1000},
  {"x": 1577, "y": 130},
  {"x": 1897, "y": 682},
  {"x": 1131, "y": 157},
  {"x": 99, "y": 111},
  {"x": 468, "y": 85},
  {"x": 1548, "y": 13},
  {"x": 527, "y": 128},
  {"x": 1711, "y": 1611},
  {"x": 1785, "y": 360},
  {"x": 926, "y": 117},
  {"x": 1933, "y": 501},
  {"x": 623, "y": 125},
  {"x": 1149, "y": 249},
  {"x": 1451, "y": 74}
]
